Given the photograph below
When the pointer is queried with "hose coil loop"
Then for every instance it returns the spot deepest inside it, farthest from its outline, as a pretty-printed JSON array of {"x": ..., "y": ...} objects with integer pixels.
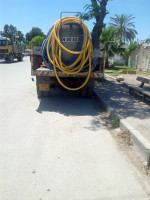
[{"x": 52, "y": 49}]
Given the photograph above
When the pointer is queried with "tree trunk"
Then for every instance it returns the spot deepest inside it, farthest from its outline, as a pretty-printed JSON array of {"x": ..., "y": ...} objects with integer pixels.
[
  {"x": 104, "y": 58},
  {"x": 100, "y": 11},
  {"x": 95, "y": 39}
]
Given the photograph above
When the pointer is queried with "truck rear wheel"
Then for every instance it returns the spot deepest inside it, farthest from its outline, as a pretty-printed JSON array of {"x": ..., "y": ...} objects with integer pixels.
[
  {"x": 90, "y": 91},
  {"x": 83, "y": 92},
  {"x": 20, "y": 58},
  {"x": 11, "y": 58},
  {"x": 39, "y": 92},
  {"x": 46, "y": 93},
  {"x": 87, "y": 91},
  {"x": 7, "y": 59},
  {"x": 42, "y": 93}
]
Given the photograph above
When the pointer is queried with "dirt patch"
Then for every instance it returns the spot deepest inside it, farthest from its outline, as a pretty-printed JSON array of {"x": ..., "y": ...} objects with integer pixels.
[
  {"x": 124, "y": 143},
  {"x": 131, "y": 78}
]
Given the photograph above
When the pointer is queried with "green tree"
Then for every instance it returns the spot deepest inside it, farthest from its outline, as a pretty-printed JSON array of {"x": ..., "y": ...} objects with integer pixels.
[
  {"x": 34, "y": 32},
  {"x": 19, "y": 36},
  {"x": 9, "y": 31},
  {"x": 36, "y": 41},
  {"x": 110, "y": 44},
  {"x": 128, "y": 51},
  {"x": 12, "y": 33},
  {"x": 125, "y": 27},
  {"x": 96, "y": 10}
]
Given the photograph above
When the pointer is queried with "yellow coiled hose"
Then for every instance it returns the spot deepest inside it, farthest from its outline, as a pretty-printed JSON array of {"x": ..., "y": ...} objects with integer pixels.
[{"x": 86, "y": 53}]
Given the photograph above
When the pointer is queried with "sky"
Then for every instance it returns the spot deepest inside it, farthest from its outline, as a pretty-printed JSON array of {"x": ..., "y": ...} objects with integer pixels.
[{"x": 25, "y": 14}]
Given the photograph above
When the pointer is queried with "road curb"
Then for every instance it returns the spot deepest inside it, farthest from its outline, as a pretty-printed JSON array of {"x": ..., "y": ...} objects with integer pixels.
[
  {"x": 106, "y": 75},
  {"x": 138, "y": 140}
]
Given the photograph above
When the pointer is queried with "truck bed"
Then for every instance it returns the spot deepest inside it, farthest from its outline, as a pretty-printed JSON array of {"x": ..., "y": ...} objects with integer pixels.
[{"x": 36, "y": 70}]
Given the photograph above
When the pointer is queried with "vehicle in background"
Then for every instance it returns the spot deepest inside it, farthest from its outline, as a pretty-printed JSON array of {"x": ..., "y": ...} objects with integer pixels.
[
  {"x": 27, "y": 52},
  {"x": 10, "y": 50}
]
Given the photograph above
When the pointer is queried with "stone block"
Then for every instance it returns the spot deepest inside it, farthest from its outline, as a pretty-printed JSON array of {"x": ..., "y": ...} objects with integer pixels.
[
  {"x": 123, "y": 71},
  {"x": 132, "y": 72},
  {"x": 120, "y": 78}
]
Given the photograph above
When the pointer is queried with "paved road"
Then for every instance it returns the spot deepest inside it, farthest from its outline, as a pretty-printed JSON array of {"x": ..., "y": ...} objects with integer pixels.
[{"x": 57, "y": 148}]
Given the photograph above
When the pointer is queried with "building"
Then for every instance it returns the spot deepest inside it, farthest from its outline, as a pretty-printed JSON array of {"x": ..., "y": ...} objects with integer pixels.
[{"x": 140, "y": 57}]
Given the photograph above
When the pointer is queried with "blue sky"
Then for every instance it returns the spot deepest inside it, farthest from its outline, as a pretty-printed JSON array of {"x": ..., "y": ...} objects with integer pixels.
[{"x": 25, "y": 14}]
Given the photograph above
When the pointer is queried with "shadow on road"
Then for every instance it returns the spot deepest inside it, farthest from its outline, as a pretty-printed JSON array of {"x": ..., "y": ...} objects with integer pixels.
[
  {"x": 5, "y": 62},
  {"x": 68, "y": 103}
]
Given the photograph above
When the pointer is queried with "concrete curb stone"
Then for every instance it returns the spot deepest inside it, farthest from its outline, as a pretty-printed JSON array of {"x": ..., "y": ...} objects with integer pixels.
[
  {"x": 136, "y": 137},
  {"x": 138, "y": 140}
]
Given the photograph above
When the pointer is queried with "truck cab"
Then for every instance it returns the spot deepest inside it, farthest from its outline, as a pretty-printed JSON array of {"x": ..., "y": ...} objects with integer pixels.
[
  {"x": 5, "y": 47},
  {"x": 9, "y": 50}
]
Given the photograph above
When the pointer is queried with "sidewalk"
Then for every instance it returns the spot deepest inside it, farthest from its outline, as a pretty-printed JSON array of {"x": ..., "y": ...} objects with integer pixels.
[{"x": 134, "y": 114}]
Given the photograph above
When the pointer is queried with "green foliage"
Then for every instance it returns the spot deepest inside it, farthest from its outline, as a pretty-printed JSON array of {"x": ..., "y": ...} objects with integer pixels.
[
  {"x": 96, "y": 10},
  {"x": 110, "y": 44},
  {"x": 34, "y": 32},
  {"x": 92, "y": 11},
  {"x": 108, "y": 41},
  {"x": 108, "y": 35},
  {"x": 115, "y": 70},
  {"x": 126, "y": 136},
  {"x": 133, "y": 46},
  {"x": 125, "y": 27},
  {"x": 115, "y": 121},
  {"x": 20, "y": 36},
  {"x": 128, "y": 51},
  {"x": 9, "y": 31},
  {"x": 109, "y": 38},
  {"x": 24, "y": 45},
  {"x": 148, "y": 160},
  {"x": 36, "y": 41},
  {"x": 12, "y": 33}
]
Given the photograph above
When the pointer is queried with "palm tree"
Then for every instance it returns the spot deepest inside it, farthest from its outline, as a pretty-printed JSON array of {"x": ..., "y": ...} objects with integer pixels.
[
  {"x": 110, "y": 44},
  {"x": 125, "y": 27},
  {"x": 107, "y": 41}
]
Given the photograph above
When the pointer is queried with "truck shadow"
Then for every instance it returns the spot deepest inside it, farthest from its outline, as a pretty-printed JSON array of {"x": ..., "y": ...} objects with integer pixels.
[
  {"x": 5, "y": 62},
  {"x": 68, "y": 103}
]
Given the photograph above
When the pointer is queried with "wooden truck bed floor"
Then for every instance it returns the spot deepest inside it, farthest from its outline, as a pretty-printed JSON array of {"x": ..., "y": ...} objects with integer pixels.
[{"x": 47, "y": 72}]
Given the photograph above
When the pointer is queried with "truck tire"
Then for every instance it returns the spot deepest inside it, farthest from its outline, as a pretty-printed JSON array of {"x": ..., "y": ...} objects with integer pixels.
[
  {"x": 42, "y": 93},
  {"x": 46, "y": 94},
  {"x": 83, "y": 92},
  {"x": 7, "y": 59},
  {"x": 20, "y": 58},
  {"x": 39, "y": 93},
  {"x": 90, "y": 91},
  {"x": 10, "y": 58}
]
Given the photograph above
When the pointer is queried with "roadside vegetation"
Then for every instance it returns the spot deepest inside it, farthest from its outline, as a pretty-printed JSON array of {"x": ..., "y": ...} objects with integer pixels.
[
  {"x": 36, "y": 41},
  {"x": 113, "y": 70},
  {"x": 35, "y": 36},
  {"x": 115, "y": 121}
]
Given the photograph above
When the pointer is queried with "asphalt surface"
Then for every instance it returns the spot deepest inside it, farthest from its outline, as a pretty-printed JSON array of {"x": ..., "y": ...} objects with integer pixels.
[{"x": 58, "y": 147}]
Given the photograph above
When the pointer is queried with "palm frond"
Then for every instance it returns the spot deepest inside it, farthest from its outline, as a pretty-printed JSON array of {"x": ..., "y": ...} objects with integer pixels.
[{"x": 125, "y": 26}]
